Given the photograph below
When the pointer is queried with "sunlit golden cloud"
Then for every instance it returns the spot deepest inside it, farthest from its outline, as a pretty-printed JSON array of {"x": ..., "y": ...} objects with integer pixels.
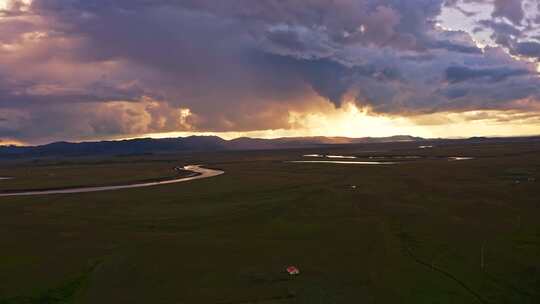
[
  {"x": 11, "y": 142},
  {"x": 21, "y": 4},
  {"x": 351, "y": 121}
]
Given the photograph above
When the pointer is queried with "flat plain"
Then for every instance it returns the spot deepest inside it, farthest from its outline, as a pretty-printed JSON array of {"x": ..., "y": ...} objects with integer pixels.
[{"x": 428, "y": 229}]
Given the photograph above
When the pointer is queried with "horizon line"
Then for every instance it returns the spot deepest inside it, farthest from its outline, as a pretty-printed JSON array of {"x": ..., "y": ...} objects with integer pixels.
[{"x": 260, "y": 138}]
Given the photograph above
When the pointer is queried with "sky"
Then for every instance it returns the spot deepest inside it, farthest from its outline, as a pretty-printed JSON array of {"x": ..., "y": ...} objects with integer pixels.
[{"x": 80, "y": 70}]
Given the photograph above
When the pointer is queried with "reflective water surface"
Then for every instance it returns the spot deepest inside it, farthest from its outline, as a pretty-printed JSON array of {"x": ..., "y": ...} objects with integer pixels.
[
  {"x": 342, "y": 162},
  {"x": 329, "y": 156},
  {"x": 460, "y": 158},
  {"x": 395, "y": 157},
  {"x": 340, "y": 156}
]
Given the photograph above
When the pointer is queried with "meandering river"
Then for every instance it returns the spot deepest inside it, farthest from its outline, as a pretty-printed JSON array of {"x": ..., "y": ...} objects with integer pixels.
[{"x": 201, "y": 173}]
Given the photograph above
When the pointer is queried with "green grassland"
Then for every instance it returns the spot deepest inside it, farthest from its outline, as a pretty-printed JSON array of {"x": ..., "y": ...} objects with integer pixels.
[
  {"x": 408, "y": 233},
  {"x": 67, "y": 174}
]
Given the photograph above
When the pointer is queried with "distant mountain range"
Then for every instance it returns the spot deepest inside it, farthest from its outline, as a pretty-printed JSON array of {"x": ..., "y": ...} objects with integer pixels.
[{"x": 192, "y": 143}]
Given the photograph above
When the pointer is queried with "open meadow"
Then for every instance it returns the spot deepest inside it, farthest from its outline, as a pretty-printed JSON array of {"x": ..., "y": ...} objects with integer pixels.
[{"x": 420, "y": 228}]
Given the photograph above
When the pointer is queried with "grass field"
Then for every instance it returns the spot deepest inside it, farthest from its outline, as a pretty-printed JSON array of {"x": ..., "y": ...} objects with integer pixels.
[
  {"x": 66, "y": 174},
  {"x": 426, "y": 230}
]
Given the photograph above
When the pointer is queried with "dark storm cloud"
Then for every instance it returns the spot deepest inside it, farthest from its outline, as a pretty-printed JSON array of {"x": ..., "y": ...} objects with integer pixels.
[
  {"x": 515, "y": 29},
  {"x": 530, "y": 49},
  {"x": 501, "y": 28},
  {"x": 83, "y": 68},
  {"x": 471, "y": 97},
  {"x": 510, "y": 9},
  {"x": 511, "y": 38},
  {"x": 455, "y": 47},
  {"x": 456, "y": 74}
]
